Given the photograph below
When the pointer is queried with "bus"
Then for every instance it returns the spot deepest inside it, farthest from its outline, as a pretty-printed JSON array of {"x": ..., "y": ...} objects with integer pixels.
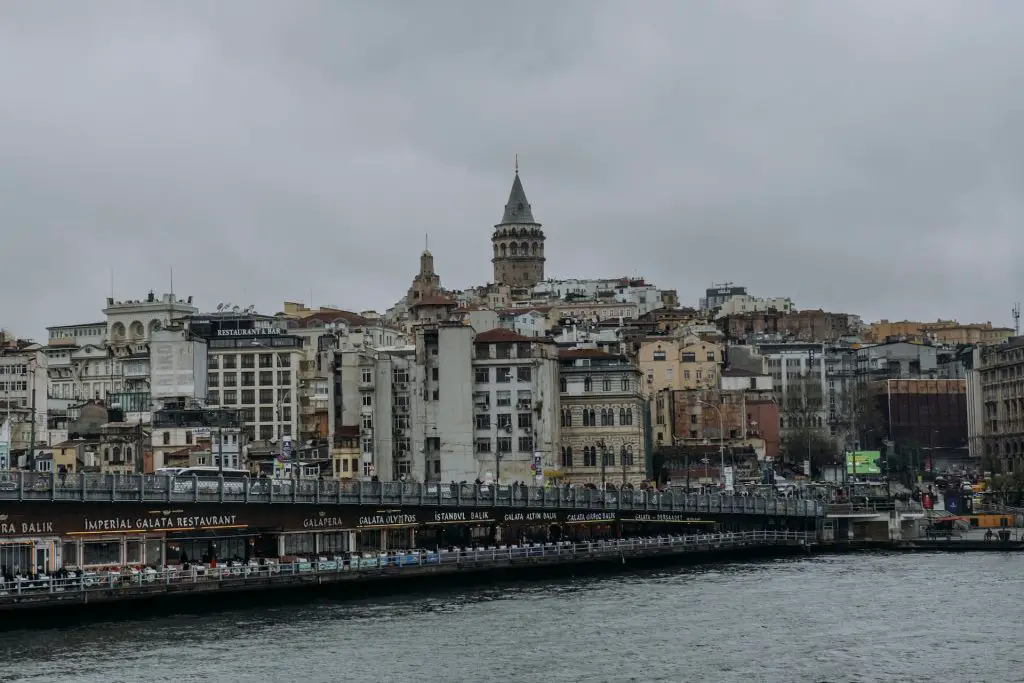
[{"x": 207, "y": 479}]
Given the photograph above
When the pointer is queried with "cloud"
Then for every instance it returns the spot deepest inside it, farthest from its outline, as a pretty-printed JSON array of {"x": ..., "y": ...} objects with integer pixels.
[{"x": 862, "y": 157}]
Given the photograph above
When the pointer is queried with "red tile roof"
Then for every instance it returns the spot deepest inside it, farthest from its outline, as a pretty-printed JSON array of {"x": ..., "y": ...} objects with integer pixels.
[
  {"x": 348, "y": 317},
  {"x": 585, "y": 353},
  {"x": 435, "y": 301},
  {"x": 502, "y": 334}
]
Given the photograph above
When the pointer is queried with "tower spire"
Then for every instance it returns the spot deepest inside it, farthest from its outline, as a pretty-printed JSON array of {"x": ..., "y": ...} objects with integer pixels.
[{"x": 517, "y": 164}]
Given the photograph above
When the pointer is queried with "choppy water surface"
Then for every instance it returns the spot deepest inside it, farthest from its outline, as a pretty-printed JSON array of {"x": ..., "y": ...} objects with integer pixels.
[{"x": 841, "y": 618}]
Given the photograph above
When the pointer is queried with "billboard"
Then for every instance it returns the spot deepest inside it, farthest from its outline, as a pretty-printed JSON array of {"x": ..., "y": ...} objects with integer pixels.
[
  {"x": 177, "y": 366},
  {"x": 863, "y": 462}
]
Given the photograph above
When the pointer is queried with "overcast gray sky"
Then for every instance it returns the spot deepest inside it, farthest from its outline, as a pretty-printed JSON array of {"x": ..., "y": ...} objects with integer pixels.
[{"x": 863, "y": 157}]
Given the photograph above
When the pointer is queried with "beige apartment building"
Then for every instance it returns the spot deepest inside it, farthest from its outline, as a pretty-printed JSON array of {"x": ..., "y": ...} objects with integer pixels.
[
  {"x": 687, "y": 363},
  {"x": 940, "y": 331}
]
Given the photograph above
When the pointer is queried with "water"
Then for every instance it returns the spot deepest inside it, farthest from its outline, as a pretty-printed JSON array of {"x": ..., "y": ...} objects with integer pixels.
[{"x": 867, "y": 617}]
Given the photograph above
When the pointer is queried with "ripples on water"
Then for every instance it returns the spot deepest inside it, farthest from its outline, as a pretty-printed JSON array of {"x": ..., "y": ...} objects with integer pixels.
[{"x": 851, "y": 618}]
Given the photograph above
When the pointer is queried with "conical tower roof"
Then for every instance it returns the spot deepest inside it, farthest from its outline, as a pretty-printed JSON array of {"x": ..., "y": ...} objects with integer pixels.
[{"x": 518, "y": 208}]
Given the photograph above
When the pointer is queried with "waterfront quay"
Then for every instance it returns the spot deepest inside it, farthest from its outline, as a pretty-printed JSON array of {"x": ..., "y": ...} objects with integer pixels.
[
  {"x": 106, "y": 523},
  {"x": 92, "y": 588}
]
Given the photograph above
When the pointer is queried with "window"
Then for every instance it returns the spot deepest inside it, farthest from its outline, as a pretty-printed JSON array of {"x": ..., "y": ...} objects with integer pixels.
[
  {"x": 284, "y": 396},
  {"x": 248, "y": 379},
  {"x": 230, "y": 362},
  {"x": 266, "y": 432},
  {"x": 525, "y": 420},
  {"x": 503, "y": 351},
  {"x": 400, "y": 376},
  {"x": 699, "y": 375},
  {"x": 286, "y": 414},
  {"x": 400, "y": 421},
  {"x": 504, "y": 444},
  {"x": 266, "y": 377},
  {"x": 284, "y": 360},
  {"x": 607, "y": 458},
  {"x": 711, "y": 356},
  {"x": 284, "y": 377},
  {"x": 211, "y": 362},
  {"x": 606, "y": 384},
  {"x": 266, "y": 360},
  {"x": 188, "y": 438},
  {"x": 524, "y": 400},
  {"x": 230, "y": 397},
  {"x": 483, "y": 375},
  {"x": 367, "y": 421},
  {"x": 622, "y": 417},
  {"x": 659, "y": 355},
  {"x": 668, "y": 374},
  {"x": 625, "y": 384},
  {"x": 504, "y": 420},
  {"x": 483, "y": 446},
  {"x": 563, "y": 384},
  {"x": 589, "y": 456},
  {"x": 503, "y": 398},
  {"x": 523, "y": 373},
  {"x": 686, "y": 374},
  {"x": 483, "y": 422},
  {"x": 367, "y": 401},
  {"x": 566, "y": 417},
  {"x": 526, "y": 444},
  {"x": 248, "y": 360},
  {"x": 504, "y": 375},
  {"x": 367, "y": 444},
  {"x": 167, "y": 438},
  {"x": 607, "y": 418},
  {"x": 266, "y": 395},
  {"x": 483, "y": 351},
  {"x": 366, "y": 376},
  {"x": 627, "y": 456},
  {"x": 566, "y": 456},
  {"x": 588, "y": 384},
  {"x": 689, "y": 357},
  {"x": 434, "y": 374},
  {"x": 231, "y": 379},
  {"x": 248, "y": 397},
  {"x": 213, "y": 379},
  {"x": 266, "y": 414}
]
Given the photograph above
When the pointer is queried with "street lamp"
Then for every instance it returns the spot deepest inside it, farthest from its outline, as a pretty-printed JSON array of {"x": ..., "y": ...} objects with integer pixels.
[{"x": 721, "y": 436}]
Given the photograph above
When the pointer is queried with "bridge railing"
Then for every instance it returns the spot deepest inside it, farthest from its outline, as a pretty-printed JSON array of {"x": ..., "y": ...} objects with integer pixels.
[
  {"x": 389, "y": 562},
  {"x": 86, "y": 487},
  {"x": 874, "y": 507}
]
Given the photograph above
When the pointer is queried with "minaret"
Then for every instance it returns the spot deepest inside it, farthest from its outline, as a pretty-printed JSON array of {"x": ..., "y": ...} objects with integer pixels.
[{"x": 518, "y": 241}]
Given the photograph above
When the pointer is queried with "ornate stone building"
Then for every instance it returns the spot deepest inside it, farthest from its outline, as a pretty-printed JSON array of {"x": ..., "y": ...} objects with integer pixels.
[
  {"x": 602, "y": 424},
  {"x": 427, "y": 283},
  {"x": 518, "y": 242}
]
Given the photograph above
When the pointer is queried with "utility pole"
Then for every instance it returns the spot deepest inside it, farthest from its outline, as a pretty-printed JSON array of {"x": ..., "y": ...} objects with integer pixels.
[
  {"x": 32, "y": 430},
  {"x": 220, "y": 449}
]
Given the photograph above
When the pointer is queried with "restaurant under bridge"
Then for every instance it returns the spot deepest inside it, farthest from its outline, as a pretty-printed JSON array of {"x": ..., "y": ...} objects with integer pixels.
[{"x": 98, "y": 522}]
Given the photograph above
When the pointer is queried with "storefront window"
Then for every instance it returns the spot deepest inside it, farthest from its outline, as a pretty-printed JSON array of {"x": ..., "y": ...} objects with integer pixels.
[
  {"x": 15, "y": 558},
  {"x": 334, "y": 542},
  {"x": 398, "y": 539},
  {"x": 133, "y": 552},
  {"x": 202, "y": 550},
  {"x": 369, "y": 540},
  {"x": 69, "y": 555},
  {"x": 101, "y": 552},
  {"x": 299, "y": 544},
  {"x": 153, "y": 552}
]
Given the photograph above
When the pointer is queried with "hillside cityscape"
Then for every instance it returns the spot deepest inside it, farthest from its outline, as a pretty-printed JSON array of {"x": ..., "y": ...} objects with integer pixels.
[{"x": 595, "y": 382}]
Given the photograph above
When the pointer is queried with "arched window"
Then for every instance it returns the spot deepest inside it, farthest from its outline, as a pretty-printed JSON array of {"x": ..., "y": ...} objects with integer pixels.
[
  {"x": 629, "y": 416},
  {"x": 588, "y": 384},
  {"x": 606, "y": 384},
  {"x": 563, "y": 384},
  {"x": 589, "y": 456},
  {"x": 524, "y": 247},
  {"x": 514, "y": 249},
  {"x": 536, "y": 248},
  {"x": 627, "y": 455},
  {"x": 504, "y": 251},
  {"x": 622, "y": 416},
  {"x": 593, "y": 418},
  {"x": 604, "y": 417},
  {"x": 567, "y": 417},
  {"x": 566, "y": 456},
  {"x": 495, "y": 249},
  {"x": 117, "y": 453}
]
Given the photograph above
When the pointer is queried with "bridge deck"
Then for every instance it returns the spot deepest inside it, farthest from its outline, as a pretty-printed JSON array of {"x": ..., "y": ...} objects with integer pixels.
[
  {"x": 90, "y": 588},
  {"x": 157, "y": 488}
]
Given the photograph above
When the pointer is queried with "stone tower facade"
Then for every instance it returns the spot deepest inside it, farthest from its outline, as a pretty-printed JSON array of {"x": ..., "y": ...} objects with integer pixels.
[
  {"x": 518, "y": 242},
  {"x": 427, "y": 283}
]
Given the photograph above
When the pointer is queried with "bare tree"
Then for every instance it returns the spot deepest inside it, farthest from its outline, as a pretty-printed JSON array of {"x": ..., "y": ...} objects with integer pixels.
[
  {"x": 806, "y": 434},
  {"x": 861, "y": 414}
]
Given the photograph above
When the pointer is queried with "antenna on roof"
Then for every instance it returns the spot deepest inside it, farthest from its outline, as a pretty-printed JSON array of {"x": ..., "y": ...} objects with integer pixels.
[
  {"x": 172, "y": 284},
  {"x": 1016, "y": 319},
  {"x": 517, "y": 164}
]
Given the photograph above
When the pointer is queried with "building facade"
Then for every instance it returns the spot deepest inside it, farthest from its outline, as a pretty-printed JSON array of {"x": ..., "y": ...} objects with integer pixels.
[
  {"x": 602, "y": 418},
  {"x": 1001, "y": 379},
  {"x": 516, "y": 424}
]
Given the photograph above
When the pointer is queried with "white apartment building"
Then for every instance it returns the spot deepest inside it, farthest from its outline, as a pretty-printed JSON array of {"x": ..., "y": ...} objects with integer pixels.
[
  {"x": 516, "y": 429},
  {"x": 646, "y": 297},
  {"x": 253, "y": 367},
  {"x": 23, "y": 380},
  {"x": 744, "y": 303}
]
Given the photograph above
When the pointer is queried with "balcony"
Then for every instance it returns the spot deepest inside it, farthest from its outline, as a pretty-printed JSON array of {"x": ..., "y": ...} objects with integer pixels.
[{"x": 136, "y": 370}]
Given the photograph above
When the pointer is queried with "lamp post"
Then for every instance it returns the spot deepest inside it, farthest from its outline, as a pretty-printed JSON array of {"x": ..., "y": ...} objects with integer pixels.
[{"x": 721, "y": 437}]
